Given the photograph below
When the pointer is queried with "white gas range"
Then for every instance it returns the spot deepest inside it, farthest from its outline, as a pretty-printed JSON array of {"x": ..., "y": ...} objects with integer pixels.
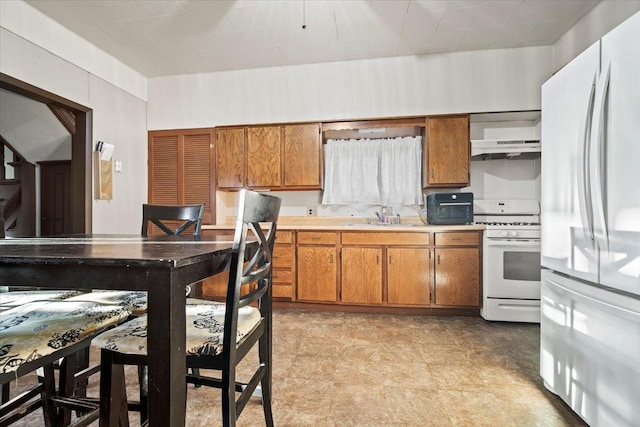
[{"x": 511, "y": 259}]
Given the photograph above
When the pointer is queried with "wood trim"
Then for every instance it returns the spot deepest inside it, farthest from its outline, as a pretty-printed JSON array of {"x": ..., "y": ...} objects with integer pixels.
[
  {"x": 81, "y": 197},
  {"x": 15, "y": 152},
  {"x": 395, "y": 309},
  {"x": 66, "y": 117},
  {"x": 375, "y": 123},
  {"x": 33, "y": 92},
  {"x": 81, "y": 205}
]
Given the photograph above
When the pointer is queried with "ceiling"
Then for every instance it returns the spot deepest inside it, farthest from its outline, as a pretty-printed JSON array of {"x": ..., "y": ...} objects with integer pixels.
[{"x": 168, "y": 37}]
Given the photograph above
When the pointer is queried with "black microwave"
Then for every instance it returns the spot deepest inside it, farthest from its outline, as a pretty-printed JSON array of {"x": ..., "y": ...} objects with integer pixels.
[{"x": 450, "y": 208}]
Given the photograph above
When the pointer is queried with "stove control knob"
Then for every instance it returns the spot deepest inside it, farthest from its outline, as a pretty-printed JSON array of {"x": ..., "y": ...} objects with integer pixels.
[
  {"x": 504, "y": 233},
  {"x": 513, "y": 233}
]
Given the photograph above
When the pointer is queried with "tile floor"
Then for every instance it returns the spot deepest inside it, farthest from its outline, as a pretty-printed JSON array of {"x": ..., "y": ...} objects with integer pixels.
[{"x": 349, "y": 369}]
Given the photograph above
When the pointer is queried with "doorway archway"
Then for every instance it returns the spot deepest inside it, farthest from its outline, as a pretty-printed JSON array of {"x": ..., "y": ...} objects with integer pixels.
[{"x": 80, "y": 148}]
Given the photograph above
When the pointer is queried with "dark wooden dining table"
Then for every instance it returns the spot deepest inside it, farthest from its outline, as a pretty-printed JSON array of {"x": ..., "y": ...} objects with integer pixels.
[{"x": 161, "y": 265}]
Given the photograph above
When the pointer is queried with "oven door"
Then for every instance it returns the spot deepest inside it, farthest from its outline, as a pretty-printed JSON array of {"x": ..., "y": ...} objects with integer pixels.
[{"x": 511, "y": 268}]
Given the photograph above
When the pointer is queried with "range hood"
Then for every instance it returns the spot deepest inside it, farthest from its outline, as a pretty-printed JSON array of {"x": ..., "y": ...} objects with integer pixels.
[{"x": 488, "y": 149}]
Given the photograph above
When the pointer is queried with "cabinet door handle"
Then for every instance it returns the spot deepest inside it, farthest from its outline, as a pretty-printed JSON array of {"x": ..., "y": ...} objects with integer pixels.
[
  {"x": 432, "y": 176},
  {"x": 438, "y": 259},
  {"x": 390, "y": 262},
  {"x": 331, "y": 259},
  {"x": 377, "y": 259}
]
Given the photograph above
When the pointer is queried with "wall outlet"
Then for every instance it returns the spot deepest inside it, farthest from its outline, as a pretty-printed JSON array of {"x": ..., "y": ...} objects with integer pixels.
[{"x": 311, "y": 211}]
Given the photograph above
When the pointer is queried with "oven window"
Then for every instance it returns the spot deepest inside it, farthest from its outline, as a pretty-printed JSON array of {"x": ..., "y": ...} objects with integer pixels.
[{"x": 522, "y": 266}]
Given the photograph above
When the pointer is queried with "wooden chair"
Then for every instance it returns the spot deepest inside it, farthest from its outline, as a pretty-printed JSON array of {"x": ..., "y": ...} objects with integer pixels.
[
  {"x": 218, "y": 335},
  {"x": 35, "y": 336},
  {"x": 167, "y": 218},
  {"x": 162, "y": 216}
]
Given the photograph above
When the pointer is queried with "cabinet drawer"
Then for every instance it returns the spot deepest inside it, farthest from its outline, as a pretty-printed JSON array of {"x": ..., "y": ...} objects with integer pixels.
[
  {"x": 220, "y": 231},
  {"x": 282, "y": 291},
  {"x": 469, "y": 238},
  {"x": 282, "y": 256},
  {"x": 385, "y": 238},
  {"x": 317, "y": 238},
  {"x": 284, "y": 237},
  {"x": 282, "y": 276}
]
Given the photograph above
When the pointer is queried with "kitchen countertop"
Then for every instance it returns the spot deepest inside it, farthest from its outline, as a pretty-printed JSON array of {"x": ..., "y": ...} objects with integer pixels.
[{"x": 408, "y": 224}]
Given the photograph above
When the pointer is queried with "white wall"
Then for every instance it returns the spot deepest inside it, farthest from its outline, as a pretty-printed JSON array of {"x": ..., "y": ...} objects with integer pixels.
[
  {"x": 598, "y": 22},
  {"x": 36, "y": 50},
  {"x": 120, "y": 119},
  {"x": 478, "y": 81}
]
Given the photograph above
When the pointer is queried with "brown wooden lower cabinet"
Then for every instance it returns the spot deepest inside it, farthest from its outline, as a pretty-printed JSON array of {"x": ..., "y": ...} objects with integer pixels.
[
  {"x": 408, "y": 276},
  {"x": 317, "y": 273},
  {"x": 361, "y": 275},
  {"x": 317, "y": 266},
  {"x": 405, "y": 269},
  {"x": 457, "y": 269},
  {"x": 376, "y": 269},
  {"x": 284, "y": 266}
]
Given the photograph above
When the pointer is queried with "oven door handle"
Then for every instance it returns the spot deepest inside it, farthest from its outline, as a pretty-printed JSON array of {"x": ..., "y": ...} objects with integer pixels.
[{"x": 512, "y": 243}]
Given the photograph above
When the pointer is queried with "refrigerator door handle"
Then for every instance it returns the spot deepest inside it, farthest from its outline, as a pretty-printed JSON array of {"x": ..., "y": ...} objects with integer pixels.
[
  {"x": 597, "y": 301},
  {"x": 596, "y": 159},
  {"x": 584, "y": 189}
]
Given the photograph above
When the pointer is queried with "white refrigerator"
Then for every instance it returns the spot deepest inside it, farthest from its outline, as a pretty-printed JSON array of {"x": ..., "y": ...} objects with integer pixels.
[{"x": 590, "y": 245}]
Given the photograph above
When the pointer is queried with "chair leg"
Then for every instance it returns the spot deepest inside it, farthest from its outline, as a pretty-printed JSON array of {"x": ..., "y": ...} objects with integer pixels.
[
  {"x": 49, "y": 389},
  {"x": 229, "y": 415},
  {"x": 67, "y": 386},
  {"x": 143, "y": 380},
  {"x": 82, "y": 364},
  {"x": 196, "y": 371},
  {"x": 113, "y": 392},
  {"x": 264, "y": 351},
  {"x": 5, "y": 392}
]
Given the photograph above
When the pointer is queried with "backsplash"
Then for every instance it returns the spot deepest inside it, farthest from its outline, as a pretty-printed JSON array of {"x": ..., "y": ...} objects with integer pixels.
[
  {"x": 297, "y": 203},
  {"x": 510, "y": 179}
]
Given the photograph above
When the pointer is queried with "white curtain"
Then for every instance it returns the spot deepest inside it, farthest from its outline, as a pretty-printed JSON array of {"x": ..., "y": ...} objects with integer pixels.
[{"x": 373, "y": 171}]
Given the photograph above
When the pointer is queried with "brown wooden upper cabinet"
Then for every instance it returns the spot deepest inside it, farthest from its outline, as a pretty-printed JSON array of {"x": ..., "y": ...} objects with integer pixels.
[
  {"x": 447, "y": 152},
  {"x": 181, "y": 169},
  {"x": 264, "y": 166},
  {"x": 303, "y": 156},
  {"x": 230, "y": 157},
  {"x": 273, "y": 157}
]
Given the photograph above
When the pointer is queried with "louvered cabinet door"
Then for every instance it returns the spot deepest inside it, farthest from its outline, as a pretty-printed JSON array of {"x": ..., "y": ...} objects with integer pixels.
[
  {"x": 197, "y": 167},
  {"x": 181, "y": 168},
  {"x": 302, "y": 160},
  {"x": 263, "y": 156},
  {"x": 230, "y": 158},
  {"x": 163, "y": 168}
]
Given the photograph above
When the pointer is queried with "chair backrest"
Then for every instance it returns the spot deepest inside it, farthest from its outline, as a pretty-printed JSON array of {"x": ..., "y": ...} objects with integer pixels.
[
  {"x": 257, "y": 213},
  {"x": 157, "y": 214},
  {"x": 2, "y": 232}
]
